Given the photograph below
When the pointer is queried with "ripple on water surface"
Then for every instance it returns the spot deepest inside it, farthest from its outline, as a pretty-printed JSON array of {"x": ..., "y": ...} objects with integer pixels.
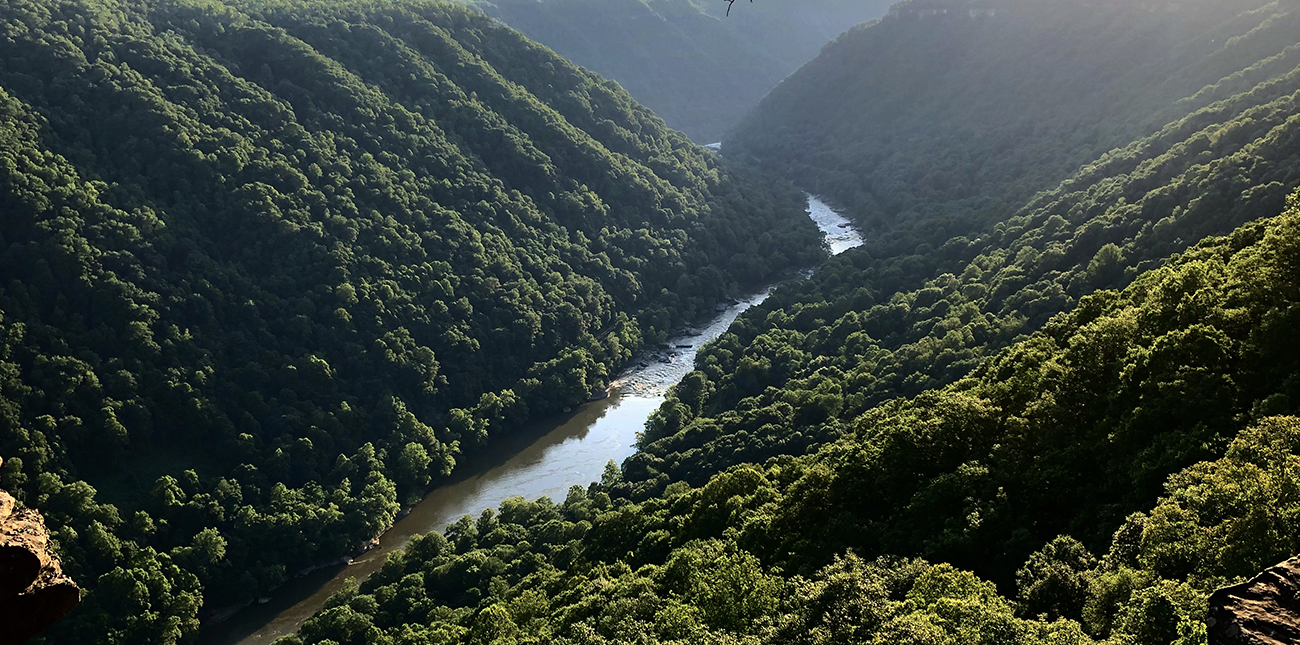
[
  {"x": 652, "y": 373},
  {"x": 839, "y": 231}
]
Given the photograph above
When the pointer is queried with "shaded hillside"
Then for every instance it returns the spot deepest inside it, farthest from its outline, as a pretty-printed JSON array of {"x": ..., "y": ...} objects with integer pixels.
[
  {"x": 267, "y": 269},
  {"x": 1052, "y": 402},
  {"x": 698, "y": 69},
  {"x": 1001, "y": 471},
  {"x": 872, "y": 325},
  {"x": 947, "y": 116}
]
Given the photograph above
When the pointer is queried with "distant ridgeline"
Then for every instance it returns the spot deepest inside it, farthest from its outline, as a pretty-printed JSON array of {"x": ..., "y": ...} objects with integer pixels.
[
  {"x": 698, "y": 69},
  {"x": 267, "y": 269},
  {"x": 1051, "y": 401},
  {"x": 935, "y": 125},
  {"x": 918, "y": 308}
]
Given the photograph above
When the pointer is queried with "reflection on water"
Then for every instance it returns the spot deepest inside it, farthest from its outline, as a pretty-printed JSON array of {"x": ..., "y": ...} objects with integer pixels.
[
  {"x": 543, "y": 460},
  {"x": 574, "y": 452}
]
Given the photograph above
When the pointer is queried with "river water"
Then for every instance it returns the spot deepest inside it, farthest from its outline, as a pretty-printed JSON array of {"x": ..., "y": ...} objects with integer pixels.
[{"x": 544, "y": 460}]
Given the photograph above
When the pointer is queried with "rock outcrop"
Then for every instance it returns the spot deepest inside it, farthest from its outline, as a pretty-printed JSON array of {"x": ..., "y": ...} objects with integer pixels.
[
  {"x": 1264, "y": 610},
  {"x": 33, "y": 590}
]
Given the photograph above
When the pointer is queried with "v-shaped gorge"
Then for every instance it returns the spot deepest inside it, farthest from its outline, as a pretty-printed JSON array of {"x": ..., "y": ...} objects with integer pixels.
[
  {"x": 544, "y": 460},
  {"x": 270, "y": 270},
  {"x": 929, "y": 439}
]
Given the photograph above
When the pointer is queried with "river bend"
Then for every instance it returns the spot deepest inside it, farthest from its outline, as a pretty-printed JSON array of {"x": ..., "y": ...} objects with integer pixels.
[{"x": 543, "y": 461}]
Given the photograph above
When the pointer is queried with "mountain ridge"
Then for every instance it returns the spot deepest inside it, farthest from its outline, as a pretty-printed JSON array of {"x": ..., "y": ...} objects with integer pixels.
[{"x": 697, "y": 68}]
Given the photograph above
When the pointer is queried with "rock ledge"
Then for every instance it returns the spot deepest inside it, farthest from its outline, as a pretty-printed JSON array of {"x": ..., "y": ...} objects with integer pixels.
[
  {"x": 33, "y": 590},
  {"x": 1264, "y": 610}
]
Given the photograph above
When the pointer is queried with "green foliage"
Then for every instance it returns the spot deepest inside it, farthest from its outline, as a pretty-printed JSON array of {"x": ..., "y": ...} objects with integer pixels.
[
  {"x": 945, "y": 117},
  {"x": 895, "y": 319},
  {"x": 1054, "y": 581},
  {"x": 274, "y": 266},
  {"x": 1041, "y": 342},
  {"x": 1010, "y": 471},
  {"x": 729, "y": 589},
  {"x": 270, "y": 268},
  {"x": 148, "y": 599}
]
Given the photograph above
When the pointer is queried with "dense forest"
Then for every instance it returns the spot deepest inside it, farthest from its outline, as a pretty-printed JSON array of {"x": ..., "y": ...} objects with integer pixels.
[
  {"x": 879, "y": 324},
  {"x": 1060, "y": 433},
  {"x": 1049, "y": 401},
  {"x": 874, "y": 123},
  {"x": 698, "y": 68},
  {"x": 271, "y": 268}
]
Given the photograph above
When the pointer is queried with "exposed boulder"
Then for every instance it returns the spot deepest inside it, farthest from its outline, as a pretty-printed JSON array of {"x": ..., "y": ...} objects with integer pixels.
[
  {"x": 1264, "y": 610},
  {"x": 33, "y": 590}
]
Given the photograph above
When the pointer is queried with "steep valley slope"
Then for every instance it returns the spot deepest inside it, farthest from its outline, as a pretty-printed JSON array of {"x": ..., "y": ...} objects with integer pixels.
[
  {"x": 269, "y": 269},
  {"x": 688, "y": 60},
  {"x": 1051, "y": 400}
]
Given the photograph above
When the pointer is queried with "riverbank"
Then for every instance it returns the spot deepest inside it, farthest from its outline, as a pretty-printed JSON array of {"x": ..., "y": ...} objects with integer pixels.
[{"x": 542, "y": 460}]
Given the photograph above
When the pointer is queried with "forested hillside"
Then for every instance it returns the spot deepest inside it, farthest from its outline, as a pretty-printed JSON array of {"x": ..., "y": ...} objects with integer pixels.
[
  {"x": 1029, "y": 471},
  {"x": 1050, "y": 401},
  {"x": 270, "y": 268},
  {"x": 945, "y": 117},
  {"x": 872, "y": 325},
  {"x": 699, "y": 69}
]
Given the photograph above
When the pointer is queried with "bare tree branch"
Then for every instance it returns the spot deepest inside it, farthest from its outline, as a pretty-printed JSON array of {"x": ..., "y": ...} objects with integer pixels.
[{"x": 731, "y": 2}]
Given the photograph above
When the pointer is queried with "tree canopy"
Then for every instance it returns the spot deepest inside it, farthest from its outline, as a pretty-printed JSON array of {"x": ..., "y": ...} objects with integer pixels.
[
  {"x": 269, "y": 269},
  {"x": 1051, "y": 400},
  {"x": 273, "y": 267},
  {"x": 1092, "y": 483}
]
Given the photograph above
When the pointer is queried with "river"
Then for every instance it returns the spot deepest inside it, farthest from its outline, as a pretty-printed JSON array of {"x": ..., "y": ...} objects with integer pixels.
[{"x": 542, "y": 461}]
